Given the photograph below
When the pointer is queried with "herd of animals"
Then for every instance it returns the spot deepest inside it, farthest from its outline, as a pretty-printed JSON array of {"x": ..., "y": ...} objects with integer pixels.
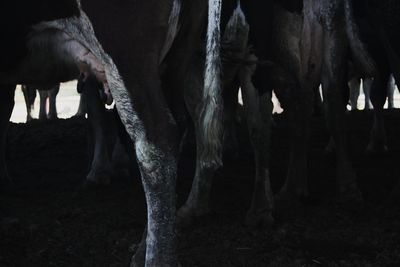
[{"x": 167, "y": 64}]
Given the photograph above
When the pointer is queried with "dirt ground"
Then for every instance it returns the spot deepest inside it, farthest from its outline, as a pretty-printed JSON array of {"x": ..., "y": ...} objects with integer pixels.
[{"x": 47, "y": 219}]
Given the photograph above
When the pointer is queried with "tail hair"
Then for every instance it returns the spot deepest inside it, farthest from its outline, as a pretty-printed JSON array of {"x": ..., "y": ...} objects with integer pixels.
[{"x": 212, "y": 108}]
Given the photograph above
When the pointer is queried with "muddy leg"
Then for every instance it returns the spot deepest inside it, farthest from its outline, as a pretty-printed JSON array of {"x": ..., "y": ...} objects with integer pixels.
[
  {"x": 52, "y": 94},
  {"x": 158, "y": 170},
  {"x": 334, "y": 75},
  {"x": 7, "y": 96},
  {"x": 378, "y": 140},
  {"x": 258, "y": 112},
  {"x": 101, "y": 167},
  {"x": 157, "y": 163},
  {"x": 155, "y": 134}
]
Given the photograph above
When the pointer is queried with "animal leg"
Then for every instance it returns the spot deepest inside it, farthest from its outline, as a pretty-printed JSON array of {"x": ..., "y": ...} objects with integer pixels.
[
  {"x": 258, "y": 112},
  {"x": 333, "y": 80},
  {"x": 300, "y": 110},
  {"x": 378, "y": 140},
  {"x": 43, "y": 105},
  {"x": 28, "y": 101},
  {"x": 354, "y": 85},
  {"x": 207, "y": 160},
  {"x": 101, "y": 167},
  {"x": 82, "y": 107},
  {"x": 52, "y": 94},
  {"x": 7, "y": 95},
  {"x": 231, "y": 143},
  {"x": 390, "y": 92},
  {"x": 157, "y": 160},
  {"x": 367, "y": 83}
]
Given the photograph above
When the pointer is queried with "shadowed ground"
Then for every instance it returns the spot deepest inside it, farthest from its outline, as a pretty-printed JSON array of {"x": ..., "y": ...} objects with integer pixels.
[{"x": 46, "y": 220}]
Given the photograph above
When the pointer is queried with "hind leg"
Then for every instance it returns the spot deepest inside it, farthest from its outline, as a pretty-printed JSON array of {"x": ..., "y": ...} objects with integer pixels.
[
  {"x": 156, "y": 137},
  {"x": 207, "y": 161},
  {"x": 334, "y": 75},
  {"x": 299, "y": 109},
  {"x": 7, "y": 97},
  {"x": 378, "y": 141},
  {"x": 258, "y": 112}
]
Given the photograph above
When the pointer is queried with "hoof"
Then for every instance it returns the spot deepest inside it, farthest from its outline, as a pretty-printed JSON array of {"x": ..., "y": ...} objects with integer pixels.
[
  {"x": 287, "y": 201},
  {"x": 79, "y": 115},
  {"x": 52, "y": 117},
  {"x": 121, "y": 172},
  {"x": 42, "y": 117},
  {"x": 139, "y": 258},
  {"x": 350, "y": 195},
  {"x": 186, "y": 215},
  {"x": 98, "y": 178},
  {"x": 5, "y": 180},
  {"x": 259, "y": 219},
  {"x": 373, "y": 149},
  {"x": 394, "y": 196},
  {"x": 88, "y": 184},
  {"x": 330, "y": 149},
  {"x": 4, "y": 185}
]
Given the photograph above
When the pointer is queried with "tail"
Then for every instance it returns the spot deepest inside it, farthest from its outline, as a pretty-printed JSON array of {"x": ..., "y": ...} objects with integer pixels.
[
  {"x": 361, "y": 56},
  {"x": 212, "y": 108}
]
